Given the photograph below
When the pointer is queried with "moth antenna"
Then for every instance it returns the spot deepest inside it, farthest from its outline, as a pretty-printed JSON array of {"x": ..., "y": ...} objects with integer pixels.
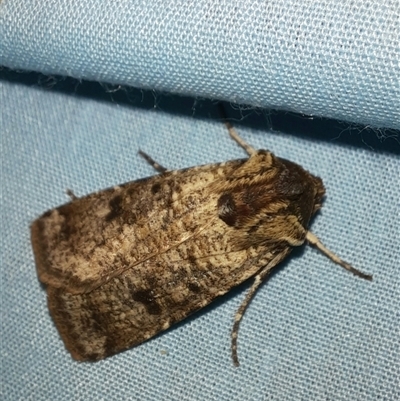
[
  {"x": 314, "y": 240},
  {"x": 258, "y": 279},
  {"x": 152, "y": 162}
]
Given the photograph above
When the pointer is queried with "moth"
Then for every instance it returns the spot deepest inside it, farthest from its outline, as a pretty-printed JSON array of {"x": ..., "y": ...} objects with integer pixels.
[{"x": 123, "y": 264}]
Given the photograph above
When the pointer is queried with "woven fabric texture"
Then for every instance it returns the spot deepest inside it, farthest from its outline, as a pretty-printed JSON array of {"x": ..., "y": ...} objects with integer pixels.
[
  {"x": 320, "y": 58},
  {"x": 313, "y": 331}
]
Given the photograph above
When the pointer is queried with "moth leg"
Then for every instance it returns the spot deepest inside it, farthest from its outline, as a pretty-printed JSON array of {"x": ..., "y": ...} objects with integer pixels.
[
  {"x": 234, "y": 135},
  {"x": 71, "y": 194},
  {"x": 152, "y": 162},
  {"x": 258, "y": 279},
  {"x": 240, "y": 141},
  {"x": 314, "y": 240}
]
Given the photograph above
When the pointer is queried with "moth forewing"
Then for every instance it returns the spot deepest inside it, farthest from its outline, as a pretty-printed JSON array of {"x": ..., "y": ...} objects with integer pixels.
[
  {"x": 83, "y": 244},
  {"x": 124, "y": 264}
]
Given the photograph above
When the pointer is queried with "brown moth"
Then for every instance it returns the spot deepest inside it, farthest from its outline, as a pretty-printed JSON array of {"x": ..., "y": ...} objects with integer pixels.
[{"x": 124, "y": 264}]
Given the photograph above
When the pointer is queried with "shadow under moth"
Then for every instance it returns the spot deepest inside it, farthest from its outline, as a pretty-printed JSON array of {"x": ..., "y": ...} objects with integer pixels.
[{"x": 123, "y": 264}]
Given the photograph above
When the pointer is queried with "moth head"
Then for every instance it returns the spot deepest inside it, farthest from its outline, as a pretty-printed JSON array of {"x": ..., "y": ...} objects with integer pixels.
[{"x": 275, "y": 199}]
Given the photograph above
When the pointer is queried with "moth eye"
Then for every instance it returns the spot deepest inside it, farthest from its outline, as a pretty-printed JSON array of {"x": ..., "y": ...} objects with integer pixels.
[{"x": 227, "y": 209}]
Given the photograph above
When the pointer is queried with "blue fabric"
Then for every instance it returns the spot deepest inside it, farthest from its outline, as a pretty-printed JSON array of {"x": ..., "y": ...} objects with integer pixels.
[
  {"x": 318, "y": 58},
  {"x": 313, "y": 331}
]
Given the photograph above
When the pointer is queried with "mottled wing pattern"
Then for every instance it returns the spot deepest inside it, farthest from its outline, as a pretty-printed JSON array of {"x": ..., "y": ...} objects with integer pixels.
[
  {"x": 83, "y": 244},
  {"x": 132, "y": 307}
]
